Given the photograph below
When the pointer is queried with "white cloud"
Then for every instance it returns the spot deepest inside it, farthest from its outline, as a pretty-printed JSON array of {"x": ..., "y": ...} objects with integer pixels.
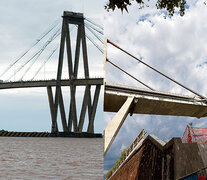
[
  {"x": 175, "y": 46},
  {"x": 21, "y": 23}
]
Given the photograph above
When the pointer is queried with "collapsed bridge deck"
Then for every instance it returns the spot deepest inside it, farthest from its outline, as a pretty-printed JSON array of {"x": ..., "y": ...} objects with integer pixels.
[{"x": 153, "y": 102}]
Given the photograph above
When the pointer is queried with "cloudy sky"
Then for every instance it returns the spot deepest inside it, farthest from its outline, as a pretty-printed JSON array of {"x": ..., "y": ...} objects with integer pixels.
[
  {"x": 22, "y": 23},
  {"x": 176, "y": 46}
]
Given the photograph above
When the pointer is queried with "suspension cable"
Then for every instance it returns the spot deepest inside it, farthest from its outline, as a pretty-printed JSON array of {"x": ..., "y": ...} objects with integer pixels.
[
  {"x": 57, "y": 33},
  {"x": 201, "y": 96},
  {"x": 129, "y": 74},
  {"x": 42, "y": 49},
  {"x": 96, "y": 45},
  {"x": 94, "y": 28},
  {"x": 36, "y": 54},
  {"x": 94, "y": 33},
  {"x": 44, "y": 62},
  {"x": 33, "y": 44},
  {"x": 95, "y": 24}
]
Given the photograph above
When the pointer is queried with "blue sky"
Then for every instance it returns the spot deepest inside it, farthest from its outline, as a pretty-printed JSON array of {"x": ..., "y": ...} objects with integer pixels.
[
  {"x": 176, "y": 46},
  {"x": 21, "y": 23}
]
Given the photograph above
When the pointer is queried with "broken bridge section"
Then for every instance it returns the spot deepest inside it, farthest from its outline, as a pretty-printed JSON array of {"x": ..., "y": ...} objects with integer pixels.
[
  {"x": 126, "y": 100},
  {"x": 153, "y": 102}
]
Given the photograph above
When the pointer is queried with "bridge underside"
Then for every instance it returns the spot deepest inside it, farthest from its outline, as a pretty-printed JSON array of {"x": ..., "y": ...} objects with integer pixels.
[
  {"x": 153, "y": 102},
  {"x": 125, "y": 100}
]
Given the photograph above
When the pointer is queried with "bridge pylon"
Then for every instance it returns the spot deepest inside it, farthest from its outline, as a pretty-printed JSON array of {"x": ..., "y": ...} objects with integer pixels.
[{"x": 72, "y": 122}]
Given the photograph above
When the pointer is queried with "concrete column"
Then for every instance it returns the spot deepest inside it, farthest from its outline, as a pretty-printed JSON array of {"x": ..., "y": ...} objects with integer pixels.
[
  {"x": 51, "y": 104},
  {"x": 114, "y": 126},
  {"x": 83, "y": 110},
  {"x": 93, "y": 110},
  {"x": 62, "y": 112}
]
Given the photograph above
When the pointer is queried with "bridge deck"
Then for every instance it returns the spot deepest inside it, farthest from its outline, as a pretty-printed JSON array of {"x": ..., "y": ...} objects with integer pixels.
[
  {"x": 45, "y": 83},
  {"x": 153, "y": 102}
]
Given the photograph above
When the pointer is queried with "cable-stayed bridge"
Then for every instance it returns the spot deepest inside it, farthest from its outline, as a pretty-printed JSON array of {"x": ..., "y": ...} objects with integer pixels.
[
  {"x": 126, "y": 100},
  {"x": 73, "y": 49}
]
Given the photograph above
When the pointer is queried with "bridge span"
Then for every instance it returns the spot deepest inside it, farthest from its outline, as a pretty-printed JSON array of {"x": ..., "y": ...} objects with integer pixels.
[
  {"x": 73, "y": 51},
  {"x": 52, "y": 82},
  {"x": 153, "y": 102},
  {"x": 126, "y": 100}
]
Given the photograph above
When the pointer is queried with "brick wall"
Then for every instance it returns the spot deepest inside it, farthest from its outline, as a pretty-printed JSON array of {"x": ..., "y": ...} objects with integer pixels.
[{"x": 143, "y": 164}]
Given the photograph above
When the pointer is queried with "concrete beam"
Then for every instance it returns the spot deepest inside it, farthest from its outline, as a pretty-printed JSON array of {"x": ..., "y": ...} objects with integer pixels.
[
  {"x": 154, "y": 102},
  {"x": 114, "y": 126}
]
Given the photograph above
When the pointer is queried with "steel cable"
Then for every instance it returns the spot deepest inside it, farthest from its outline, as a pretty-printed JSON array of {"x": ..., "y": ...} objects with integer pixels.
[
  {"x": 201, "y": 96},
  {"x": 100, "y": 32},
  {"x": 44, "y": 62},
  {"x": 33, "y": 45},
  {"x": 36, "y": 54},
  {"x": 95, "y": 24},
  {"x": 93, "y": 42},
  {"x": 90, "y": 29},
  {"x": 57, "y": 33},
  {"x": 129, "y": 74}
]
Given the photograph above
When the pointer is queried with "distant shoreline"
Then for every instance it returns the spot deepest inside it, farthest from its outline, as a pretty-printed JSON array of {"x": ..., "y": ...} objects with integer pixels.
[{"x": 4, "y": 133}]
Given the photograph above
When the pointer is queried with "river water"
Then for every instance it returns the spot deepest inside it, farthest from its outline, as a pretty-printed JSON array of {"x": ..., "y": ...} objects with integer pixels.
[{"x": 51, "y": 158}]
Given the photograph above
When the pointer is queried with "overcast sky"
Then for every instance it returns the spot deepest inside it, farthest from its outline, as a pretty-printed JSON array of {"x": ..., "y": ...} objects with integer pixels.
[
  {"x": 176, "y": 46},
  {"x": 22, "y": 22}
]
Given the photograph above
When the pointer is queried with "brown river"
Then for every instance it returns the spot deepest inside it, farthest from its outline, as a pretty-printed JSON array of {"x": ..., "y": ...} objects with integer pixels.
[{"x": 51, "y": 158}]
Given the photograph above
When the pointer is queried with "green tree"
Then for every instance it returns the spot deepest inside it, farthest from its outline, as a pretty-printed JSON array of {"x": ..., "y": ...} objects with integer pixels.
[{"x": 169, "y": 5}]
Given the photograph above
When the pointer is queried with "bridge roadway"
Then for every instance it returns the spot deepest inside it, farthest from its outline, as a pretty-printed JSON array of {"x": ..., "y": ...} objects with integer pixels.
[
  {"x": 53, "y": 82},
  {"x": 153, "y": 102}
]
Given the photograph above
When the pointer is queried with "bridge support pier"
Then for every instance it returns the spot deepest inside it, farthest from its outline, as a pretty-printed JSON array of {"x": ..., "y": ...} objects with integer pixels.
[{"x": 51, "y": 103}]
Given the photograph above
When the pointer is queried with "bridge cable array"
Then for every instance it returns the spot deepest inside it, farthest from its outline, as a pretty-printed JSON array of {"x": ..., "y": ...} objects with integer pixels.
[
  {"x": 55, "y": 24},
  {"x": 115, "y": 65},
  {"x": 44, "y": 62},
  {"x": 40, "y": 51},
  {"x": 55, "y": 29},
  {"x": 89, "y": 28},
  {"x": 192, "y": 91},
  {"x": 36, "y": 55},
  {"x": 95, "y": 24},
  {"x": 93, "y": 28}
]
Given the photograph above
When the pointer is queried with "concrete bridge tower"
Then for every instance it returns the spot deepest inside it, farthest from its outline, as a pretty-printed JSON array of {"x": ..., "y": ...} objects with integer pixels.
[{"x": 73, "y": 123}]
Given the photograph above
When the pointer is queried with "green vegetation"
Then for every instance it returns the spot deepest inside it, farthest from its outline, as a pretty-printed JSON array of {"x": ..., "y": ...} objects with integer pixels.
[
  {"x": 123, "y": 155},
  {"x": 169, "y": 5}
]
